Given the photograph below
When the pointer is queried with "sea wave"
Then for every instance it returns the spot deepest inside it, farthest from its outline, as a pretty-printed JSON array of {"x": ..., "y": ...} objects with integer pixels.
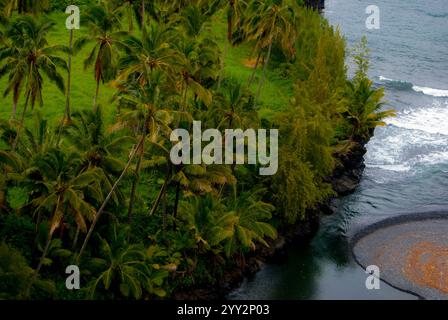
[
  {"x": 431, "y": 91},
  {"x": 404, "y": 85}
]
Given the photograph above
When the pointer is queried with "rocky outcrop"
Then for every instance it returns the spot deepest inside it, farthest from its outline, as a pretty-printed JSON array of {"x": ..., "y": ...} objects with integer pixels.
[
  {"x": 315, "y": 4},
  {"x": 349, "y": 170}
]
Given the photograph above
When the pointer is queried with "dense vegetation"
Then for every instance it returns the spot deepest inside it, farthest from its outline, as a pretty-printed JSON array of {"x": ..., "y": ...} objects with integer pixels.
[{"x": 85, "y": 124}]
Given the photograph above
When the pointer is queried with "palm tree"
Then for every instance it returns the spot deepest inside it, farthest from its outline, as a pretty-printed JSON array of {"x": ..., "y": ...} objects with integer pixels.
[
  {"x": 198, "y": 66},
  {"x": 364, "y": 102},
  {"x": 62, "y": 191},
  {"x": 129, "y": 9},
  {"x": 233, "y": 108},
  {"x": 206, "y": 217},
  {"x": 98, "y": 149},
  {"x": 193, "y": 22},
  {"x": 128, "y": 268},
  {"x": 109, "y": 196},
  {"x": 271, "y": 21},
  {"x": 26, "y": 55},
  {"x": 28, "y": 41},
  {"x": 234, "y": 11},
  {"x": 148, "y": 117},
  {"x": 37, "y": 140},
  {"x": 250, "y": 226},
  {"x": 23, "y": 6},
  {"x": 364, "y": 108},
  {"x": 103, "y": 21},
  {"x": 200, "y": 180},
  {"x": 67, "y": 114},
  {"x": 15, "y": 66},
  {"x": 153, "y": 52}
]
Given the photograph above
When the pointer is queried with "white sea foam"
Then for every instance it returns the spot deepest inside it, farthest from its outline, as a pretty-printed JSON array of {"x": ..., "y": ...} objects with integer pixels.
[
  {"x": 431, "y": 91},
  {"x": 433, "y": 120},
  {"x": 415, "y": 138},
  {"x": 433, "y": 158},
  {"x": 385, "y": 79},
  {"x": 391, "y": 167}
]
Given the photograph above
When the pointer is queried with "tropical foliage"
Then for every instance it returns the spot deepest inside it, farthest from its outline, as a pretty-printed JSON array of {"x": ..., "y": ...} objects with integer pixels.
[{"x": 96, "y": 187}]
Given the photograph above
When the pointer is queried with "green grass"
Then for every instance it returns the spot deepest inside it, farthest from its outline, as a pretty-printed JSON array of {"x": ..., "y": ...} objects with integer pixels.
[
  {"x": 276, "y": 91},
  {"x": 275, "y": 94}
]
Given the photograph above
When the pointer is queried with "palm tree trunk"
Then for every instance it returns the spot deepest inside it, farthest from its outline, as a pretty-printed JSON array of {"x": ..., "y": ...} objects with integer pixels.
[
  {"x": 131, "y": 17},
  {"x": 21, "y": 6},
  {"x": 22, "y": 120},
  {"x": 67, "y": 113},
  {"x": 223, "y": 64},
  {"x": 226, "y": 48},
  {"x": 252, "y": 77},
  {"x": 39, "y": 266},
  {"x": 106, "y": 201},
  {"x": 95, "y": 98},
  {"x": 14, "y": 110},
  {"x": 185, "y": 96},
  {"x": 75, "y": 240},
  {"x": 136, "y": 180},
  {"x": 161, "y": 192},
  {"x": 143, "y": 15},
  {"x": 165, "y": 214},
  {"x": 263, "y": 77},
  {"x": 69, "y": 78},
  {"x": 176, "y": 201},
  {"x": 44, "y": 254}
]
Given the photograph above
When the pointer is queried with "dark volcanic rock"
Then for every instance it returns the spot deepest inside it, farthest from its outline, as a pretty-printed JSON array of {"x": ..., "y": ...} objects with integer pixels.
[{"x": 348, "y": 172}]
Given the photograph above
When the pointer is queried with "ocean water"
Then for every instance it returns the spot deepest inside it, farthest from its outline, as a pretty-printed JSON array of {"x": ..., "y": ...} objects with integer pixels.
[{"x": 407, "y": 160}]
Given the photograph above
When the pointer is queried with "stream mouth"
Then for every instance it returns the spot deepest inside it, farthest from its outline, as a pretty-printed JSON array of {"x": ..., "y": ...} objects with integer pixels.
[{"x": 411, "y": 252}]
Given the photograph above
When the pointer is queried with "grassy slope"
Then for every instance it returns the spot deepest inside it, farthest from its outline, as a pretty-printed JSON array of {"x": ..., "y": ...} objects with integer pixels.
[{"x": 274, "y": 94}]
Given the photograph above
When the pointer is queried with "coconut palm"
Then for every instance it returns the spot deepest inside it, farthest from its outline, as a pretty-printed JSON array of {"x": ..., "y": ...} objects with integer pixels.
[
  {"x": 200, "y": 62},
  {"x": 193, "y": 22},
  {"x": 37, "y": 140},
  {"x": 23, "y": 6},
  {"x": 67, "y": 114},
  {"x": 233, "y": 109},
  {"x": 35, "y": 56},
  {"x": 234, "y": 12},
  {"x": 148, "y": 117},
  {"x": 153, "y": 52},
  {"x": 250, "y": 225},
  {"x": 63, "y": 191},
  {"x": 199, "y": 66},
  {"x": 206, "y": 217},
  {"x": 200, "y": 180},
  {"x": 271, "y": 21},
  {"x": 104, "y": 21},
  {"x": 128, "y": 268},
  {"x": 27, "y": 56},
  {"x": 97, "y": 148},
  {"x": 129, "y": 9},
  {"x": 15, "y": 66},
  {"x": 100, "y": 211}
]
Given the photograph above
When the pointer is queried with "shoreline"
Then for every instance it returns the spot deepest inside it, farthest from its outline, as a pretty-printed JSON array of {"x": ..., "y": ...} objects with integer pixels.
[{"x": 345, "y": 180}]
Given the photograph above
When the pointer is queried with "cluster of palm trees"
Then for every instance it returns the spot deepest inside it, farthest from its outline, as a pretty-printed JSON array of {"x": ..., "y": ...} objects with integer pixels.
[
  {"x": 165, "y": 74},
  {"x": 108, "y": 197}
]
